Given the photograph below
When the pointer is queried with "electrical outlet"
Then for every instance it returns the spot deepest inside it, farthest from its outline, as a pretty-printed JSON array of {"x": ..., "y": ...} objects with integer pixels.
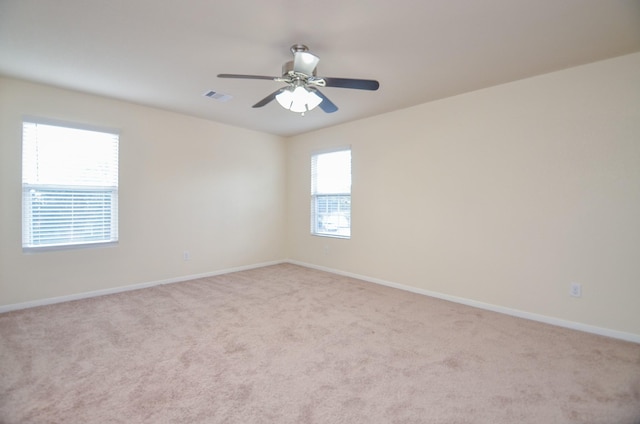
[
  {"x": 576, "y": 290},
  {"x": 186, "y": 255}
]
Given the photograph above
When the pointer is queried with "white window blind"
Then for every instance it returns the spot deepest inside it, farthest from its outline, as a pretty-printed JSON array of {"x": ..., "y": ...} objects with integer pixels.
[
  {"x": 69, "y": 186},
  {"x": 331, "y": 194}
]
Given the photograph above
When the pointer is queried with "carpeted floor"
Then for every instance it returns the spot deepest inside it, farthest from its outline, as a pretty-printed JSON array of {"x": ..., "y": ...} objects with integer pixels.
[{"x": 287, "y": 344}]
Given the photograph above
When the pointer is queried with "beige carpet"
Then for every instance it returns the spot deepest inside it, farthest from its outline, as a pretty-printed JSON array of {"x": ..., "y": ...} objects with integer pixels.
[{"x": 286, "y": 344}]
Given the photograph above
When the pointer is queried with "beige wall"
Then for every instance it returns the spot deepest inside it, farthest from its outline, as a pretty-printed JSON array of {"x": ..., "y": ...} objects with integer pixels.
[
  {"x": 185, "y": 184},
  {"x": 503, "y": 196}
]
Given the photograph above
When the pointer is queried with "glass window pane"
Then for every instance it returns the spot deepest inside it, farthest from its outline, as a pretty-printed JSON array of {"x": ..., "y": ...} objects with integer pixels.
[
  {"x": 331, "y": 194},
  {"x": 70, "y": 186}
]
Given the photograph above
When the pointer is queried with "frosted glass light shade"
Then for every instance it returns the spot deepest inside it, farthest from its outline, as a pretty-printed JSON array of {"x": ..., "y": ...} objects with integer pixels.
[{"x": 298, "y": 99}]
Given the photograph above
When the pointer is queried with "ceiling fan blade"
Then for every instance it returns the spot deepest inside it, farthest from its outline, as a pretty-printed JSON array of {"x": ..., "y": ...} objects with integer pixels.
[
  {"x": 359, "y": 84},
  {"x": 269, "y": 98},
  {"x": 326, "y": 105},
  {"x": 259, "y": 77}
]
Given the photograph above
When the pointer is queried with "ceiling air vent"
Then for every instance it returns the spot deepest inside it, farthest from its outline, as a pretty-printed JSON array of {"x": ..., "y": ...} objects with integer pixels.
[{"x": 215, "y": 95}]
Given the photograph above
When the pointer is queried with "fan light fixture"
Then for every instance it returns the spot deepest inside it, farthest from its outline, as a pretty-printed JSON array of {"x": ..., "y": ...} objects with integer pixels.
[
  {"x": 298, "y": 99},
  {"x": 302, "y": 92}
]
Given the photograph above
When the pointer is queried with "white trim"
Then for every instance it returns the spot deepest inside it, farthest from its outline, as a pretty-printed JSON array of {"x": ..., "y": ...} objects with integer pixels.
[
  {"x": 67, "y": 124},
  {"x": 96, "y": 293},
  {"x": 630, "y": 337},
  {"x": 75, "y": 246},
  {"x": 635, "y": 338},
  {"x": 331, "y": 149}
]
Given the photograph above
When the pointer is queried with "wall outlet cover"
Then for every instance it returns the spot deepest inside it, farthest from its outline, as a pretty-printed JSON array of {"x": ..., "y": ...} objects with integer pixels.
[{"x": 576, "y": 290}]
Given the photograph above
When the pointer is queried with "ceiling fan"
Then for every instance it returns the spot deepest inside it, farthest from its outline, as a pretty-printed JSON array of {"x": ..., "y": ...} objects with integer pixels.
[{"x": 302, "y": 92}]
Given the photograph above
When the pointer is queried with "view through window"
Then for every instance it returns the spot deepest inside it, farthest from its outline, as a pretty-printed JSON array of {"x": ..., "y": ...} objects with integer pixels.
[{"x": 331, "y": 194}]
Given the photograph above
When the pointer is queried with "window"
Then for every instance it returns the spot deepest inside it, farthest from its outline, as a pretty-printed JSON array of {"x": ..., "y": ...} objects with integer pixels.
[
  {"x": 69, "y": 186},
  {"x": 331, "y": 194}
]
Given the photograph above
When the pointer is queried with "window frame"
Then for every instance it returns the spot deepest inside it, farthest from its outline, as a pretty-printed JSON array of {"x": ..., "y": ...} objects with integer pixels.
[
  {"x": 104, "y": 191},
  {"x": 335, "y": 197}
]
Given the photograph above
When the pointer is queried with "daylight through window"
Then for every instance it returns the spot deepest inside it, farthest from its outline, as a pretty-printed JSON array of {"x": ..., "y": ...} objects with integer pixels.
[
  {"x": 331, "y": 194},
  {"x": 69, "y": 186}
]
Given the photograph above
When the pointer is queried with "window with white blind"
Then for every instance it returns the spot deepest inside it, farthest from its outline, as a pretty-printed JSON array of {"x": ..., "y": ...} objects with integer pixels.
[
  {"x": 69, "y": 186},
  {"x": 331, "y": 194}
]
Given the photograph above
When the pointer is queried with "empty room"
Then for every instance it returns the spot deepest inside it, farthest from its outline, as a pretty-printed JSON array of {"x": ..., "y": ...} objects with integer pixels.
[{"x": 320, "y": 212}]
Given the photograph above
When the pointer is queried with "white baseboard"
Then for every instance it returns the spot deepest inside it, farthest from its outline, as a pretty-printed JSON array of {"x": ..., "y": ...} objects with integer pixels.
[
  {"x": 486, "y": 306},
  {"x": 95, "y": 293},
  {"x": 464, "y": 301}
]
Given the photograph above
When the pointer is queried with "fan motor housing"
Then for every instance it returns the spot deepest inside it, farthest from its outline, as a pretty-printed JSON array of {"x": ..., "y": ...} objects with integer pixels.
[{"x": 288, "y": 67}]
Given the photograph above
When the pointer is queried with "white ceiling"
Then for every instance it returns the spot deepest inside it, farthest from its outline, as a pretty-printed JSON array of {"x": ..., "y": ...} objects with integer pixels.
[{"x": 167, "y": 53}]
